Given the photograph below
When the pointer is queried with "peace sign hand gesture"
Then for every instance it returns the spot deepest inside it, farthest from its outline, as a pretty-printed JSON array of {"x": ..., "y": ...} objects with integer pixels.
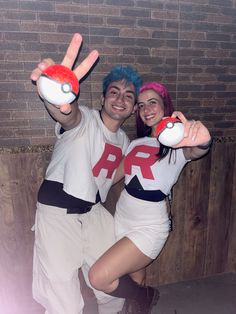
[{"x": 69, "y": 59}]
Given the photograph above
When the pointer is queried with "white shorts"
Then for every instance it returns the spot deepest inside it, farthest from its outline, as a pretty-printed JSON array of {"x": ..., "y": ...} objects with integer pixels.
[{"x": 145, "y": 223}]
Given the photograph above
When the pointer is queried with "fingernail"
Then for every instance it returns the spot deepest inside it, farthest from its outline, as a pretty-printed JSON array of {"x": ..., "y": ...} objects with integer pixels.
[
  {"x": 77, "y": 37},
  {"x": 33, "y": 77}
]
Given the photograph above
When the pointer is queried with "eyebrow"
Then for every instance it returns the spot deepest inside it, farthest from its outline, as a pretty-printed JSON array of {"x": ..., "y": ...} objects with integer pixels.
[
  {"x": 153, "y": 98},
  {"x": 117, "y": 88}
]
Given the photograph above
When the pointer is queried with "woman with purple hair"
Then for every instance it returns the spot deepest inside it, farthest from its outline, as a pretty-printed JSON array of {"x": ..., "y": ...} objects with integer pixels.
[{"x": 141, "y": 220}]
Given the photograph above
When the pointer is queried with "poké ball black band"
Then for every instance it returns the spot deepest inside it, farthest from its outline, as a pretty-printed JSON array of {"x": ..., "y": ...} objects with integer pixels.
[{"x": 206, "y": 146}]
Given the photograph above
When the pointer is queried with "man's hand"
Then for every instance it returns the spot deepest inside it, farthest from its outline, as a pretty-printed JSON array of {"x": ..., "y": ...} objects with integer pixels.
[{"x": 69, "y": 59}]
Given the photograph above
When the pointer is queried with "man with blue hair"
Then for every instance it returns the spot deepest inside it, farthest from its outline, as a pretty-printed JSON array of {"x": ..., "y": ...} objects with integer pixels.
[
  {"x": 72, "y": 228},
  {"x": 121, "y": 73}
]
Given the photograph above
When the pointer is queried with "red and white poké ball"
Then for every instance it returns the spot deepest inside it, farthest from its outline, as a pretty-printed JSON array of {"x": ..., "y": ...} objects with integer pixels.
[
  {"x": 170, "y": 131},
  {"x": 58, "y": 85}
]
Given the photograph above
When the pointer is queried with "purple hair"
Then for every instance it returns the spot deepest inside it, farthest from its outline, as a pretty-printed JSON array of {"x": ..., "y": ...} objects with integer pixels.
[{"x": 162, "y": 91}]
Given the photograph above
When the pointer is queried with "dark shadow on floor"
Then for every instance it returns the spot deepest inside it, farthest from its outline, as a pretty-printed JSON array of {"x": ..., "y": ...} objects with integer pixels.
[{"x": 212, "y": 295}]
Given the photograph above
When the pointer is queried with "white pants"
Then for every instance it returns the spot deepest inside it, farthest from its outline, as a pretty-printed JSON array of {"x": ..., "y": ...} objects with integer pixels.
[
  {"x": 63, "y": 244},
  {"x": 145, "y": 223}
]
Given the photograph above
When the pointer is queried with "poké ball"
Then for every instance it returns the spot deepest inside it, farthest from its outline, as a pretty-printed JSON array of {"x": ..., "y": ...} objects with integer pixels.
[
  {"x": 58, "y": 85},
  {"x": 170, "y": 131}
]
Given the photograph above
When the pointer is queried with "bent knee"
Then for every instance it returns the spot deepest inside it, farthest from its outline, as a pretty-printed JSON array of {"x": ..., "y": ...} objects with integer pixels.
[{"x": 97, "y": 278}]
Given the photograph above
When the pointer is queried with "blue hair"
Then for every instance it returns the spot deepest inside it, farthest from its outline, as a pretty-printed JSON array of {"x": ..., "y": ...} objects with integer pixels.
[{"x": 119, "y": 73}]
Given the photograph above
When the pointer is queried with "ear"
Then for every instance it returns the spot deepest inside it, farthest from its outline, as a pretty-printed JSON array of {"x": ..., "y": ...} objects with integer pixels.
[
  {"x": 135, "y": 108},
  {"x": 102, "y": 100}
]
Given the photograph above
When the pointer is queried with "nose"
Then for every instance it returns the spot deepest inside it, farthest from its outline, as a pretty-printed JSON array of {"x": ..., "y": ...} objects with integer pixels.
[
  {"x": 145, "y": 107},
  {"x": 120, "y": 98}
]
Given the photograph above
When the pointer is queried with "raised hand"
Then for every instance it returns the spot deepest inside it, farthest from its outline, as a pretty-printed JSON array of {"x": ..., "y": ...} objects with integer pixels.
[
  {"x": 69, "y": 59},
  {"x": 195, "y": 133}
]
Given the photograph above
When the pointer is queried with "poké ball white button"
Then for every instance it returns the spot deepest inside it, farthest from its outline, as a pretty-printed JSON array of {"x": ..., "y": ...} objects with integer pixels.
[
  {"x": 66, "y": 87},
  {"x": 170, "y": 125},
  {"x": 172, "y": 134}
]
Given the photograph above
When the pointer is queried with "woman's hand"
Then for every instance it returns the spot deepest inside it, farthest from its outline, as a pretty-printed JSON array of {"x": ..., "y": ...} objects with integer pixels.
[
  {"x": 195, "y": 133},
  {"x": 69, "y": 59}
]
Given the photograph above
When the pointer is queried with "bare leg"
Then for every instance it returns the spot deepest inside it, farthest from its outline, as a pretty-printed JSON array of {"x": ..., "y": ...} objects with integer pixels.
[
  {"x": 110, "y": 274},
  {"x": 122, "y": 258},
  {"x": 139, "y": 276}
]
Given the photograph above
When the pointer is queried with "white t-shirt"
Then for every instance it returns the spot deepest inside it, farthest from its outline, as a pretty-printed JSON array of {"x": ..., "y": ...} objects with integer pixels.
[
  {"x": 152, "y": 174},
  {"x": 86, "y": 157}
]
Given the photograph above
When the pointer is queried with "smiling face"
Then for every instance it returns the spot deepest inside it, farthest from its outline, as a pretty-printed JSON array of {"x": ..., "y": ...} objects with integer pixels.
[
  {"x": 151, "y": 108},
  {"x": 118, "y": 103}
]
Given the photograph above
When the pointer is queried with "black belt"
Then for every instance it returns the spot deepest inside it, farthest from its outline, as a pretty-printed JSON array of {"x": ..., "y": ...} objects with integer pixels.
[
  {"x": 151, "y": 196},
  {"x": 51, "y": 193},
  {"x": 85, "y": 208}
]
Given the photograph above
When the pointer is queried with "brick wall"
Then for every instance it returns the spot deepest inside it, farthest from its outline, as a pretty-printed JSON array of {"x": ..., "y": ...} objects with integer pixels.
[{"x": 190, "y": 45}]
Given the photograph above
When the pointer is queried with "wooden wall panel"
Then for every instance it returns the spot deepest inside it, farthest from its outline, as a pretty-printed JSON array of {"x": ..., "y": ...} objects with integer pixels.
[
  {"x": 20, "y": 175},
  {"x": 195, "y": 218},
  {"x": 231, "y": 260},
  {"x": 202, "y": 243},
  {"x": 221, "y": 208}
]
